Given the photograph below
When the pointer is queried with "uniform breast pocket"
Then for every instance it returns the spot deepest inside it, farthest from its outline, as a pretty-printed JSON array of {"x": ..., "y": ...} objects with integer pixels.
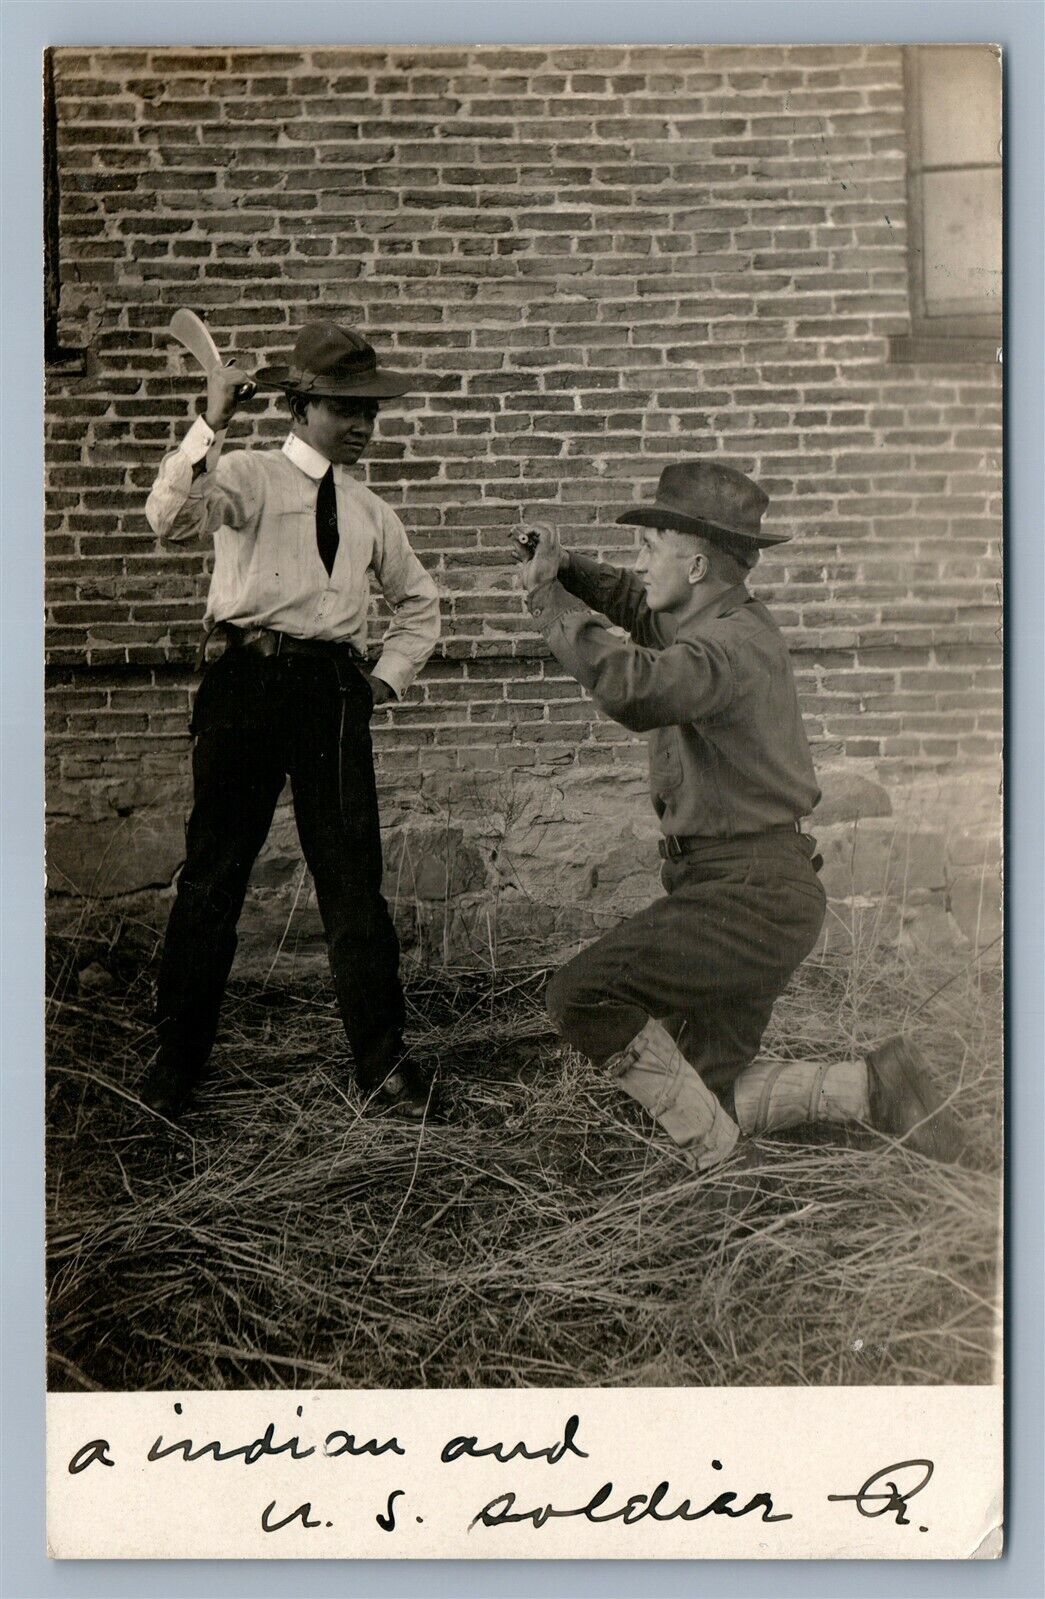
[{"x": 665, "y": 760}]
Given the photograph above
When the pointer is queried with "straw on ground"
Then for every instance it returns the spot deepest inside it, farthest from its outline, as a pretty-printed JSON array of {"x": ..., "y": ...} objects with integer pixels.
[{"x": 543, "y": 1234}]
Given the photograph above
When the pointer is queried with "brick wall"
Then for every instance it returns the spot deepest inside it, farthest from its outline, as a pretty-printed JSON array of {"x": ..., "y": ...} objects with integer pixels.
[{"x": 597, "y": 261}]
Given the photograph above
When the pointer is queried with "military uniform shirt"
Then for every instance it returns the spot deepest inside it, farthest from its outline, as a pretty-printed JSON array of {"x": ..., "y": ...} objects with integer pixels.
[{"x": 714, "y": 689}]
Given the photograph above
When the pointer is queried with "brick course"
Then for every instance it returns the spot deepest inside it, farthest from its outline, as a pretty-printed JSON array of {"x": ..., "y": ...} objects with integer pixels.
[{"x": 597, "y": 261}]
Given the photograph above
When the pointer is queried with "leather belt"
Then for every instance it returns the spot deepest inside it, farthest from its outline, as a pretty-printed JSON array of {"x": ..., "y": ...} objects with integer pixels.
[
  {"x": 266, "y": 641},
  {"x": 672, "y": 847}
]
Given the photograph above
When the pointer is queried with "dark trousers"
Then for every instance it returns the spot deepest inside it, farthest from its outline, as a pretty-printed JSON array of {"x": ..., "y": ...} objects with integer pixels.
[
  {"x": 255, "y": 722},
  {"x": 708, "y": 960}
]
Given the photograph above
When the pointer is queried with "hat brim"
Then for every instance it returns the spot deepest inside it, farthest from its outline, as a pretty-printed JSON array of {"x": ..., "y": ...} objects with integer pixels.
[
  {"x": 660, "y": 516},
  {"x": 378, "y": 385}
]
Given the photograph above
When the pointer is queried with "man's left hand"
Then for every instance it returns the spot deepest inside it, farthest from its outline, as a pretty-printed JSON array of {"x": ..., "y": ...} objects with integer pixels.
[
  {"x": 383, "y": 694},
  {"x": 543, "y": 565}
]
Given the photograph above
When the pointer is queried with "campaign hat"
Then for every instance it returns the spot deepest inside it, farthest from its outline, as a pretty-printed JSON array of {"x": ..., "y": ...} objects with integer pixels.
[{"x": 708, "y": 498}]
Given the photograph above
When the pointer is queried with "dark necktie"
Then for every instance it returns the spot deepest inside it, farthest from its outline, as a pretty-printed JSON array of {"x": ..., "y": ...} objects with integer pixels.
[{"x": 326, "y": 520}]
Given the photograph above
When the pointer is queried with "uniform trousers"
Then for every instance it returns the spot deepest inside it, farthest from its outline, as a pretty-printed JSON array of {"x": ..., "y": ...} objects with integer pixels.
[
  {"x": 708, "y": 960},
  {"x": 256, "y": 721}
]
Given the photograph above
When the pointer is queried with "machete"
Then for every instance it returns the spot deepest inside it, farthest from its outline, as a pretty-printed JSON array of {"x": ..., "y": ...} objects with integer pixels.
[{"x": 193, "y": 334}]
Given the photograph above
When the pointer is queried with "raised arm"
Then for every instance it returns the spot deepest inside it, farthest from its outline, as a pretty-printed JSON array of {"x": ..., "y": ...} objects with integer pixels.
[
  {"x": 640, "y": 688},
  {"x": 614, "y": 592},
  {"x": 197, "y": 490}
]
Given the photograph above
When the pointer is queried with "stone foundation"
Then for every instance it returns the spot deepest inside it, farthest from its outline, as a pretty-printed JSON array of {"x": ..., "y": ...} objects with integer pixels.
[{"x": 527, "y": 867}]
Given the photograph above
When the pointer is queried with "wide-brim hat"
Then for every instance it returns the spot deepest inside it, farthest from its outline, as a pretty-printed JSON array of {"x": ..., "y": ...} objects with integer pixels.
[
  {"x": 332, "y": 362},
  {"x": 704, "y": 497}
]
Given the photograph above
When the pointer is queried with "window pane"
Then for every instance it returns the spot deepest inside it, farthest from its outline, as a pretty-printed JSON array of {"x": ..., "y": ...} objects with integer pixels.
[
  {"x": 961, "y": 240},
  {"x": 960, "y": 105}
]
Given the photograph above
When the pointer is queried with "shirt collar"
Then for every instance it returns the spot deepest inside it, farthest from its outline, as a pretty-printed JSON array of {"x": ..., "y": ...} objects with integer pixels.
[
  {"x": 702, "y": 610},
  {"x": 304, "y": 457}
]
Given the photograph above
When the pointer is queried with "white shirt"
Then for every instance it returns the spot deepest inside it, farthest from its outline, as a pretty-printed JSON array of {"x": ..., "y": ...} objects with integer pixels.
[{"x": 260, "y": 507}]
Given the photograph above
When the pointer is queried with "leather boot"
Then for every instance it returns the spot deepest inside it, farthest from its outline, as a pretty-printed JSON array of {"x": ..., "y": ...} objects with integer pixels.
[
  {"x": 167, "y": 1088},
  {"x": 905, "y": 1105}
]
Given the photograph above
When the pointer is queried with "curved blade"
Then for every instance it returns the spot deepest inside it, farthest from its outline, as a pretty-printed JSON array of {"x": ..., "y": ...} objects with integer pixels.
[{"x": 190, "y": 331}]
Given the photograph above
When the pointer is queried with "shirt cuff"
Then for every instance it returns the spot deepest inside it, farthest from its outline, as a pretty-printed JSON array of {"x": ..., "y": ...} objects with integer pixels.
[
  {"x": 395, "y": 670},
  {"x": 548, "y": 601},
  {"x": 198, "y": 440}
]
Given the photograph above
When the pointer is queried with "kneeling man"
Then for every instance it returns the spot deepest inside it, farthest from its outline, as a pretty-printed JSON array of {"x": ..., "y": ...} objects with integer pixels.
[{"x": 676, "y": 999}]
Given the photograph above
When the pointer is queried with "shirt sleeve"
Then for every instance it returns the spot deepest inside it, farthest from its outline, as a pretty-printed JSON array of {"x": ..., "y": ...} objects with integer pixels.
[
  {"x": 413, "y": 599},
  {"x": 616, "y": 593},
  {"x": 639, "y": 688},
  {"x": 197, "y": 489}
]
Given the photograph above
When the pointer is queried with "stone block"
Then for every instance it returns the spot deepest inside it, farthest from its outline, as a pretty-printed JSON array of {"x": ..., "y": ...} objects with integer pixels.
[
  {"x": 852, "y": 925},
  {"x": 874, "y": 857},
  {"x": 117, "y": 855},
  {"x": 929, "y": 929},
  {"x": 513, "y": 929},
  {"x": 583, "y": 839},
  {"x": 430, "y": 863},
  {"x": 275, "y": 871},
  {"x": 280, "y": 932},
  {"x": 972, "y": 850},
  {"x": 848, "y": 796}
]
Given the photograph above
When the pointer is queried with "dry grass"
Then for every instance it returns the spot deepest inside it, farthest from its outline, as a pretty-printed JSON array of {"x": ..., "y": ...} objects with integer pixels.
[{"x": 544, "y": 1234}]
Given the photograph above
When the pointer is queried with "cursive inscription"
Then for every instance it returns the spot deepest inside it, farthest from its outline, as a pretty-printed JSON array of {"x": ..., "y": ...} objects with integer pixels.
[
  {"x": 387, "y": 1522},
  {"x": 337, "y": 1442},
  {"x": 301, "y": 1513},
  {"x": 469, "y": 1447},
  {"x": 87, "y": 1454},
  {"x": 365, "y": 1498},
  {"x": 502, "y": 1512},
  {"x": 890, "y": 1489}
]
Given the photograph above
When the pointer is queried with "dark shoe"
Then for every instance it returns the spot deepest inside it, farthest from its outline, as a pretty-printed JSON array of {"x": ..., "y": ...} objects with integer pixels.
[
  {"x": 405, "y": 1092},
  {"x": 905, "y": 1105},
  {"x": 165, "y": 1089}
]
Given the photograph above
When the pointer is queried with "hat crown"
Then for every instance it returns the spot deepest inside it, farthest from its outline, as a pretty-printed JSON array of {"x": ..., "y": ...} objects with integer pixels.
[
  {"x": 709, "y": 498},
  {"x": 328, "y": 350},
  {"x": 329, "y": 361},
  {"x": 709, "y": 491}
]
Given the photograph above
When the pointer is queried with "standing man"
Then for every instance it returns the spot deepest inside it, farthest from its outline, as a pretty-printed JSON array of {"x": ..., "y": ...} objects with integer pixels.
[
  {"x": 678, "y": 997},
  {"x": 295, "y": 539}
]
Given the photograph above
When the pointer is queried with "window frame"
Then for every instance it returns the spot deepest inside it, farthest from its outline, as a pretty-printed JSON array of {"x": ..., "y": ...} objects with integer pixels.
[{"x": 966, "y": 336}]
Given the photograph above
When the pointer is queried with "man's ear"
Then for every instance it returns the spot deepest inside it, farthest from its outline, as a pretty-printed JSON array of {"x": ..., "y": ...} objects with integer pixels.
[{"x": 699, "y": 568}]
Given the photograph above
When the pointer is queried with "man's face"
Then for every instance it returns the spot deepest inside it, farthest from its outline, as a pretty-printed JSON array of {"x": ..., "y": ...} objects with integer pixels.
[
  {"x": 668, "y": 564},
  {"x": 340, "y": 429}
]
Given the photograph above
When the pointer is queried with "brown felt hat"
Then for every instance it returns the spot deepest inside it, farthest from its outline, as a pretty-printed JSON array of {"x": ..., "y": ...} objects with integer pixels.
[
  {"x": 331, "y": 362},
  {"x": 704, "y": 497}
]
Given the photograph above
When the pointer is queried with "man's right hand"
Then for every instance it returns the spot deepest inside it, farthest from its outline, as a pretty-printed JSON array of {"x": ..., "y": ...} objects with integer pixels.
[
  {"x": 525, "y": 545},
  {"x": 545, "y": 563},
  {"x": 227, "y": 387}
]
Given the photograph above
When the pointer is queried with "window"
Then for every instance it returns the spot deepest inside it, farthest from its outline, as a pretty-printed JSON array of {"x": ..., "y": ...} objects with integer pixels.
[{"x": 954, "y": 189}]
